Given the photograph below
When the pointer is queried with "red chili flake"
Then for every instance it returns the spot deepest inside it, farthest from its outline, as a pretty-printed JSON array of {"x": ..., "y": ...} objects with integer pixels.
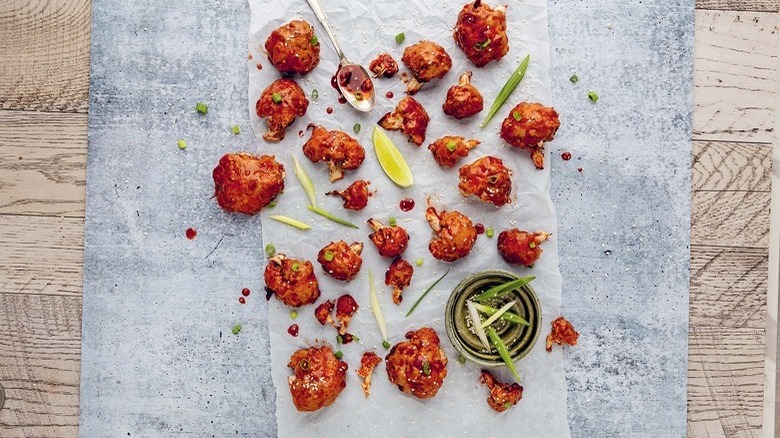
[
  {"x": 480, "y": 228},
  {"x": 566, "y": 156},
  {"x": 389, "y": 95},
  {"x": 293, "y": 330},
  {"x": 342, "y": 100},
  {"x": 241, "y": 300},
  {"x": 245, "y": 292},
  {"x": 329, "y": 110},
  {"x": 407, "y": 204},
  {"x": 580, "y": 169},
  {"x": 191, "y": 233}
]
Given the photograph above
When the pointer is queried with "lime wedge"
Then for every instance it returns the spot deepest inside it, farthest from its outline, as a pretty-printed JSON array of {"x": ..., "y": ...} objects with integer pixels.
[{"x": 391, "y": 160}]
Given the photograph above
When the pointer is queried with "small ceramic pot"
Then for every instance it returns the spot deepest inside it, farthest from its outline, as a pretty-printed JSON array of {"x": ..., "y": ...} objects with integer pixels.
[{"x": 519, "y": 339}]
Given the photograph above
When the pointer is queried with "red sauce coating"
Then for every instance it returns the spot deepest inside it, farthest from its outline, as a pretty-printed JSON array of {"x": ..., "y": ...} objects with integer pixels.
[
  {"x": 342, "y": 100},
  {"x": 191, "y": 233},
  {"x": 407, "y": 204}
]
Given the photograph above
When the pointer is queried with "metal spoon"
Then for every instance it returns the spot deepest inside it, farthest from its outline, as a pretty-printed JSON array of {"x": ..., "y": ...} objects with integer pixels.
[{"x": 353, "y": 80}]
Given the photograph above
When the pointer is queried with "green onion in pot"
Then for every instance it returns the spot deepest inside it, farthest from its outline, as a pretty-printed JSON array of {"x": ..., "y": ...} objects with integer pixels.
[
  {"x": 476, "y": 323},
  {"x": 498, "y": 314},
  {"x": 507, "y": 316},
  {"x": 504, "y": 288},
  {"x": 503, "y": 351}
]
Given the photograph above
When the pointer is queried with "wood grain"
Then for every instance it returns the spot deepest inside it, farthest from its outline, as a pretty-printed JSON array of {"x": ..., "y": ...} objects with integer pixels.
[
  {"x": 730, "y": 218},
  {"x": 721, "y": 166},
  {"x": 44, "y": 54},
  {"x": 735, "y": 71},
  {"x": 42, "y": 163},
  {"x": 739, "y": 5}
]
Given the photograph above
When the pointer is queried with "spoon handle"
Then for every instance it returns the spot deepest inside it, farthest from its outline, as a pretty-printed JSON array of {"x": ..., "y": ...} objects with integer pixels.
[{"x": 319, "y": 12}]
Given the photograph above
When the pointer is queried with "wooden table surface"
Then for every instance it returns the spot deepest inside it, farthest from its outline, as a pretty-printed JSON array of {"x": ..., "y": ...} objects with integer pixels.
[{"x": 44, "y": 94}]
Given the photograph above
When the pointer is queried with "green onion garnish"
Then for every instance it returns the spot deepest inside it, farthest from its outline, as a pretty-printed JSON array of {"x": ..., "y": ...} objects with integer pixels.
[
  {"x": 400, "y": 38},
  {"x": 293, "y": 314},
  {"x": 328, "y": 256},
  {"x": 426, "y": 368},
  {"x": 593, "y": 96},
  {"x": 574, "y": 78},
  {"x": 504, "y": 288},
  {"x": 270, "y": 249},
  {"x": 291, "y": 222},
  {"x": 489, "y": 232},
  {"x": 235, "y": 129},
  {"x": 392, "y": 221},
  {"x": 356, "y": 128},
  {"x": 236, "y": 329},
  {"x": 182, "y": 144},
  {"x": 333, "y": 218},
  {"x": 277, "y": 98},
  {"x": 509, "y": 87},
  {"x": 419, "y": 262},
  {"x": 516, "y": 116},
  {"x": 305, "y": 181},
  {"x": 201, "y": 108},
  {"x": 507, "y": 316},
  {"x": 493, "y": 318},
  {"x": 315, "y": 94},
  {"x": 476, "y": 324},
  {"x": 416, "y": 303},
  {"x": 532, "y": 245},
  {"x": 272, "y": 204},
  {"x": 340, "y": 339},
  {"x": 378, "y": 315},
  {"x": 451, "y": 145},
  {"x": 314, "y": 41},
  {"x": 295, "y": 267},
  {"x": 339, "y": 354},
  {"x": 503, "y": 351},
  {"x": 386, "y": 345}
]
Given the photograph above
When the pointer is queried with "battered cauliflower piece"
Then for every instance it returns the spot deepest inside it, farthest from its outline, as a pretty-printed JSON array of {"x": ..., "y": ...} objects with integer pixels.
[
  {"x": 246, "y": 183},
  {"x": 323, "y": 313},
  {"x": 368, "y": 363},
  {"x": 383, "y": 65},
  {"x": 426, "y": 60},
  {"x": 319, "y": 377},
  {"x": 410, "y": 118},
  {"x": 399, "y": 275},
  {"x": 340, "y": 151},
  {"x": 341, "y": 261},
  {"x": 451, "y": 148},
  {"x": 391, "y": 242},
  {"x": 463, "y": 100},
  {"x": 529, "y": 126},
  {"x": 355, "y": 196},
  {"x": 502, "y": 395},
  {"x": 346, "y": 306},
  {"x": 281, "y": 102},
  {"x": 488, "y": 179},
  {"x": 417, "y": 366},
  {"x": 455, "y": 234},
  {"x": 521, "y": 247},
  {"x": 292, "y": 280},
  {"x": 481, "y": 32},
  {"x": 293, "y": 48},
  {"x": 562, "y": 333}
]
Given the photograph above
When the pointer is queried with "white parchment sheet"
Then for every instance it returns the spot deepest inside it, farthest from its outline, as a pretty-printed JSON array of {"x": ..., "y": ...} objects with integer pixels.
[{"x": 365, "y": 29}]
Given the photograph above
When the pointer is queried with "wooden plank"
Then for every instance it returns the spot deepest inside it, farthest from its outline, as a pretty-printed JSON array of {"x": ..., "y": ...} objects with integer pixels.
[
  {"x": 40, "y": 348},
  {"x": 731, "y": 166},
  {"x": 725, "y": 382},
  {"x": 735, "y": 75},
  {"x": 41, "y": 255},
  {"x": 44, "y": 54},
  {"x": 43, "y": 163},
  {"x": 739, "y": 5},
  {"x": 730, "y": 219}
]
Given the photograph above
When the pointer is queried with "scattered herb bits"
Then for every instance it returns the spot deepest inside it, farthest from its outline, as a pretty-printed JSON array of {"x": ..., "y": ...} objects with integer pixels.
[
  {"x": 235, "y": 129},
  {"x": 451, "y": 145},
  {"x": 201, "y": 108},
  {"x": 574, "y": 78},
  {"x": 593, "y": 96},
  {"x": 386, "y": 345},
  {"x": 489, "y": 232},
  {"x": 426, "y": 368},
  {"x": 236, "y": 329},
  {"x": 356, "y": 128},
  {"x": 339, "y": 355},
  {"x": 182, "y": 144},
  {"x": 399, "y": 39},
  {"x": 277, "y": 98},
  {"x": 293, "y": 314},
  {"x": 314, "y": 40},
  {"x": 315, "y": 94},
  {"x": 419, "y": 262},
  {"x": 392, "y": 221},
  {"x": 328, "y": 256},
  {"x": 270, "y": 249}
]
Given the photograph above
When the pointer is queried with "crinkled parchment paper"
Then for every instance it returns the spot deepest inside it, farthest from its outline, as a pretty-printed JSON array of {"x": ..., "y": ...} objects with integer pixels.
[{"x": 459, "y": 409}]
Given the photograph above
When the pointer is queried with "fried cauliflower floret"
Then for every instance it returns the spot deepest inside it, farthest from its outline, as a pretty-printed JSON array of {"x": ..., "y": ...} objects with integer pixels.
[
  {"x": 292, "y": 280},
  {"x": 383, "y": 65},
  {"x": 463, "y": 100},
  {"x": 426, "y": 60},
  {"x": 399, "y": 275},
  {"x": 341, "y": 261},
  {"x": 488, "y": 179},
  {"x": 368, "y": 363},
  {"x": 340, "y": 151},
  {"x": 481, "y": 32},
  {"x": 521, "y": 247},
  {"x": 455, "y": 234},
  {"x": 281, "y": 102},
  {"x": 346, "y": 306},
  {"x": 319, "y": 377},
  {"x": 355, "y": 196},
  {"x": 562, "y": 333},
  {"x": 449, "y": 149},
  {"x": 323, "y": 311},
  {"x": 417, "y": 366},
  {"x": 293, "y": 48},
  {"x": 391, "y": 242},
  {"x": 246, "y": 183},
  {"x": 529, "y": 126},
  {"x": 502, "y": 395},
  {"x": 410, "y": 118}
]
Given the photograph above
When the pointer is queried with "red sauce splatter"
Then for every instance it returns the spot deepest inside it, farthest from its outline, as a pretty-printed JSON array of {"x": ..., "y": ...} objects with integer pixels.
[
  {"x": 389, "y": 95},
  {"x": 407, "y": 204},
  {"x": 191, "y": 233},
  {"x": 259, "y": 66},
  {"x": 366, "y": 86},
  {"x": 346, "y": 338},
  {"x": 293, "y": 330},
  {"x": 242, "y": 300},
  {"x": 329, "y": 110},
  {"x": 333, "y": 82},
  {"x": 566, "y": 156},
  {"x": 300, "y": 133},
  {"x": 245, "y": 292},
  {"x": 342, "y": 100},
  {"x": 579, "y": 169},
  {"x": 480, "y": 228}
]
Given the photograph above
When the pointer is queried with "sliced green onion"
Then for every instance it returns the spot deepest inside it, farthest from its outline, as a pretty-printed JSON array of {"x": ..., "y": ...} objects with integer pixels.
[
  {"x": 182, "y": 144},
  {"x": 489, "y": 232},
  {"x": 277, "y": 98},
  {"x": 386, "y": 345},
  {"x": 451, "y": 145},
  {"x": 392, "y": 221},
  {"x": 593, "y": 96},
  {"x": 305, "y": 181},
  {"x": 516, "y": 116},
  {"x": 328, "y": 256},
  {"x": 339, "y": 339},
  {"x": 291, "y": 222},
  {"x": 295, "y": 267},
  {"x": 356, "y": 128},
  {"x": 236, "y": 329},
  {"x": 532, "y": 245},
  {"x": 270, "y": 249},
  {"x": 314, "y": 40},
  {"x": 333, "y": 218},
  {"x": 476, "y": 323},
  {"x": 509, "y": 87},
  {"x": 504, "y": 288},
  {"x": 574, "y": 78},
  {"x": 426, "y": 368},
  {"x": 201, "y": 108},
  {"x": 315, "y": 94},
  {"x": 380, "y": 317},
  {"x": 339, "y": 354},
  {"x": 507, "y": 316},
  {"x": 293, "y": 314},
  {"x": 416, "y": 303},
  {"x": 507, "y": 405},
  {"x": 235, "y": 129},
  {"x": 272, "y": 204},
  {"x": 503, "y": 351},
  {"x": 493, "y": 318},
  {"x": 419, "y": 262},
  {"x": 400, "y": 38}
]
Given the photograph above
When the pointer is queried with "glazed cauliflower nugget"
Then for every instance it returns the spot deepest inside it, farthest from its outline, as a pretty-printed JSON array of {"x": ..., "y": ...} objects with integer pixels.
[
  {"x": 341, "y": 261},
  {"x": 410, "y": 118},
  {"x": 322, "y": 313},
  {"x": 426, "y": 60},
  {"x": 346, "y": 306},
  {"x": 463, "y": 100},
  {"x": 502, "y": 395},
  {"x": 391, "y": 242},
  {"x": 281, "y": 102},
  {"x": 417, "y": 366},
  {"x": 562, "y": 333},
  {"x": 481, "y": 32},
  {"x": 449, "y": 149},
  {"x": 292, "y": 280},
  {"x": 399, "y": 275},
  {"x": 368, "y": 363},
  {"x": 488, "y": 179},
  {"x": 340, "y": 151},
  {"x": 355, "y": 196},
  {"x": 246, "y": 183},
  {"x": 521, "y": 247},
  {"x": 318, "y": 380},
  {"x": 455, "y": 234},
  {"x": 293, "y": 48},
  {"x": 383, "y": 65},
  {"x": 529, "y": 126}
]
